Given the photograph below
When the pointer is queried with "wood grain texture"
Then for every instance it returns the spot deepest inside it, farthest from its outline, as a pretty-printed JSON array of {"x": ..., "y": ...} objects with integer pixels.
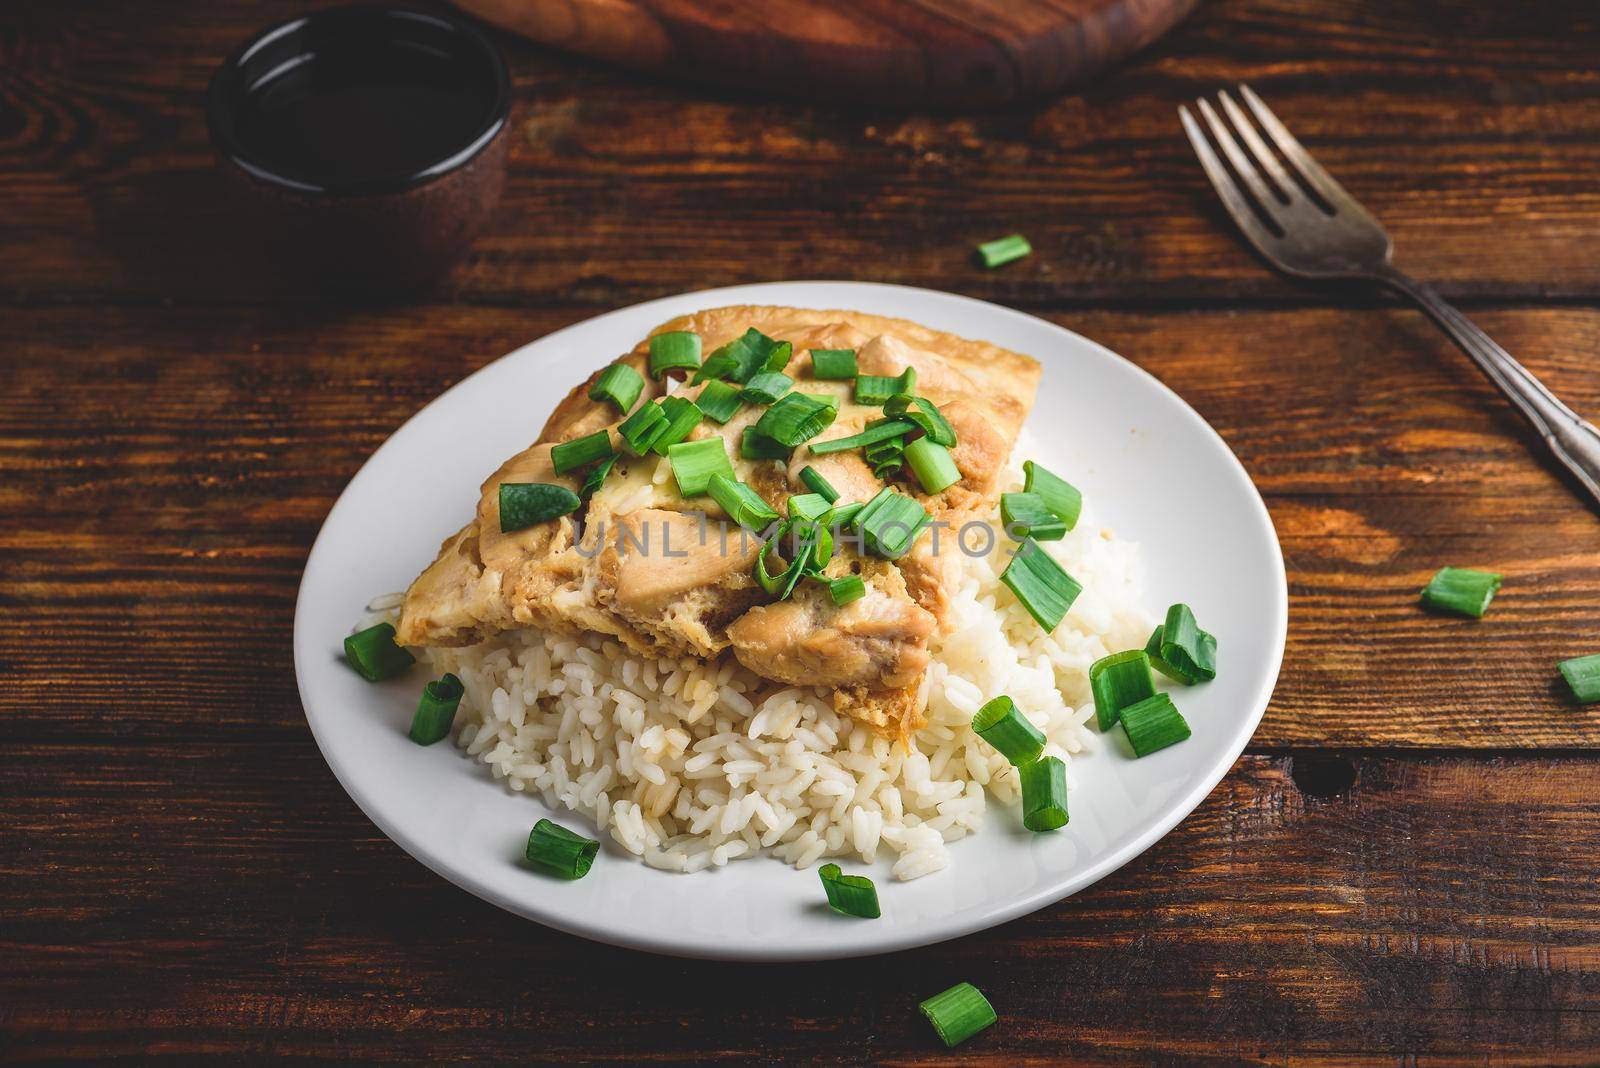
[
  {"x": 178, "y": 496},
  {"x": 941, "y": 53},
  {"x": 1421, "y": 916},
  {"x": 1471, "y": 130}
]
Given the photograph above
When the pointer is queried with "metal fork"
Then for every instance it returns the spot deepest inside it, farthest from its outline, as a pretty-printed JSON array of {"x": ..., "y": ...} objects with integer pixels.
[{"x": 1305, "y": 224}]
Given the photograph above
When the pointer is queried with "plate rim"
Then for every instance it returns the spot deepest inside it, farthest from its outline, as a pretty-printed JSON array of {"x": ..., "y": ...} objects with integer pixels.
[{"x": 928, "y": 934}]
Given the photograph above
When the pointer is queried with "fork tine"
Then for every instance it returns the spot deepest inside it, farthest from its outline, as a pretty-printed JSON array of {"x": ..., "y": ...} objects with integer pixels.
[
  {"x": 1232, "y": 197},
  {"x": 1296, "y": 153},
  {"x": 1258, "y": 148},
  {"x": 1242, "y": 165}
]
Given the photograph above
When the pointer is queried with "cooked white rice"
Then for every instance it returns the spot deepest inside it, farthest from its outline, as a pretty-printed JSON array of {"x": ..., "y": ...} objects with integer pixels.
[{"x": 681, "y": 766}]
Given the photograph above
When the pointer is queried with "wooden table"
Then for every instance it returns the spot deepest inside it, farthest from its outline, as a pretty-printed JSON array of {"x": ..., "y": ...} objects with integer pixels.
[{"x": 1400, "y": 870}]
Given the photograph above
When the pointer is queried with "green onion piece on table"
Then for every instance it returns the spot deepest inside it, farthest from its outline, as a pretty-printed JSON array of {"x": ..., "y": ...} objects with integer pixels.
[
  {"x": 1461, "y": 589},
  {"x": 374, "y": 654},
  {"x": 852, "y": 895},
  {"x": 436, "y": 711},
  {"x": 744, "y": 357},
  {"x": 794, "y": 419},
  {"x": 846, "y": 589},
  {"x": 674, "y": 350},
  {"x": 1060, "y": 496},
  {"x": 766, "y": 387},
  {"x": 597, "y": 477},
  {"x": 883, "y": 431},
  {"x": 682, "y": 417},
  {"x": 554, "y": 849},
  {"x": 1188, "y": 654},
  {"x": 1042, "y": 586},
  {"x": 891, "y": 523},
  {"x": 833, "y": 363},
  {"x": 571, "y": 455},
  {"x": 958, "y": 1014},
  {"x": 743, "y": 504},
  {"x": 925, "y": 414},
  {"x": 1001, "y": 251},
  {"x": 933, "y": 465},
  {"x": 753, "y": 445},
  {"x": 1002, "y": 725},
  {"x": 620, "y": 384},
  {"x": 719, "y": 400},
  {"x": 1583, "y": 676},
  {"x": 808, "y": 506},
  {"x": 817, "y": 484},
  {"x": 1153, "y": 724},
  {"x": 640, "y": 430},
  {"x": 1119, "y": 680},
  {"x": 874, "y": 390},
  {"x": 1044, "y": 794},
  {"x": 695, "y": 462},
  {"x": 1025, "y": 515},
  {"x": 526, "y": 504}
]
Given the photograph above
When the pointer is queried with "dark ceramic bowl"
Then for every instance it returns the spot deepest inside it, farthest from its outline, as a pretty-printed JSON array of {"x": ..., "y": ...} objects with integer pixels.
[{"x": 368, "y": 144}]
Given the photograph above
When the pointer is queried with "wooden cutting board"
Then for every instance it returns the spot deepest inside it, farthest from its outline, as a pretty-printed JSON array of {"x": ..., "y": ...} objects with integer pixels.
[{"x": 948, "y": 53}]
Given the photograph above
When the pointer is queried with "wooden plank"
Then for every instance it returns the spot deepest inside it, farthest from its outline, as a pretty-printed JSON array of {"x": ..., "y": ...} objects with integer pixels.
[
  {"x": 1475, "y": 144},
  {"x": 191, "y": 892},
  {"x": 163, "y": 472}
]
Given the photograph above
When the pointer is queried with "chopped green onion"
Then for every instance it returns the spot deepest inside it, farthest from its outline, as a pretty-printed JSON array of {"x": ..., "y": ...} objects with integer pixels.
[
  {"x": 958, "y": 1014},
  {"x": 804, "y": 558},
  {"x": 846, "y": 589},
  {"x": 891, "y": 428},
  {"x": 1583, "y": 675},
  {"x": 1025, "y": 515},
  {"x": 843, "y": 514},
  {"x": 873, "y": 390},
  {"x": 1060, "y": 496},
  {"x": 674, "y": 350},
  {"x": 571, "y": 455},
  {"x": 597, "y": 477},
  {"x": 695, "y": 462},
  {"x": 754, "y": 445},
  {"x": 1042, "y": 586},
  {"x": 1119, "y": 680},
  {"x": 558, "y": 851},
  {"x": 886, "y": 458},
  {"x": 682, "y": 417},
  {"x": 640, "y": 430},
  {"x": 1002, "y": 725},
  {"x": 925, "y": 414},
  {"x": 375, "y": 655},
  {"x": 1461, "y": 589},
  {"x": 743, "y": 357},
  {"x": 743, "y": 504},
  {"x": 436, "y": 711},
  {"x": 1152, "y": 649},
  {"x": 1003, "y": 250},
  {"x": 808, "y": 506},
  {"x": 719, "y": 400},
  {"x": 1189, "y": 653},
  {"x": 1044, "y": 794},
  {"x": 933, "y": 465},
  {"x": 795, "y": 418},
  {"x": 526, "y": 504},
  {"x": 893, "y": 526},
  {"x": 824, "y": 398},
  {"x": 766, "y": 387},
  {"x": 620, "y": 384},
  {"x": 833, "y": 363},
  {"x": 1153, "y": 723},
  {"x": 818, "y": 484},
  {"x": 779, "y": 357},
  {"x": 852, "y": 895}
]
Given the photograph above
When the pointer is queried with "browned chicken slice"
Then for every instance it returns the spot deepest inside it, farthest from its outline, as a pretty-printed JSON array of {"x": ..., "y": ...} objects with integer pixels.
[{"x": 692, "y": 593}]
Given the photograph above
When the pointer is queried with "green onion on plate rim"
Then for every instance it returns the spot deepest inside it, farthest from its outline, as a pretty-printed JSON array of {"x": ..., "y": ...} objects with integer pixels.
[
  {"x": 436, "y": 710},
  {"x": 851, "y": 895},
  {"x": 554, "y": 849},
  {"x": 1044, "y": 794},
  {"x": 375, "y": 655}
]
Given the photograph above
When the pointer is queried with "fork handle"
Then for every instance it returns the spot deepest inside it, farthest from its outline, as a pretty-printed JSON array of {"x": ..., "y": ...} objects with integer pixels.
[{"x": 1573, "y": 440}]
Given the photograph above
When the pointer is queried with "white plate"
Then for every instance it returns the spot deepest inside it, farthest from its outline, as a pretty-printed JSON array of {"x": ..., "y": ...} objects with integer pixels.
[{"x": 1156, "y": 472}]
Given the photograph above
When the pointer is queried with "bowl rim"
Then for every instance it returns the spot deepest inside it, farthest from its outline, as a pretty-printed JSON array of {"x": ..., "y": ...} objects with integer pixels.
[{"x": 227, "y": 88}]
